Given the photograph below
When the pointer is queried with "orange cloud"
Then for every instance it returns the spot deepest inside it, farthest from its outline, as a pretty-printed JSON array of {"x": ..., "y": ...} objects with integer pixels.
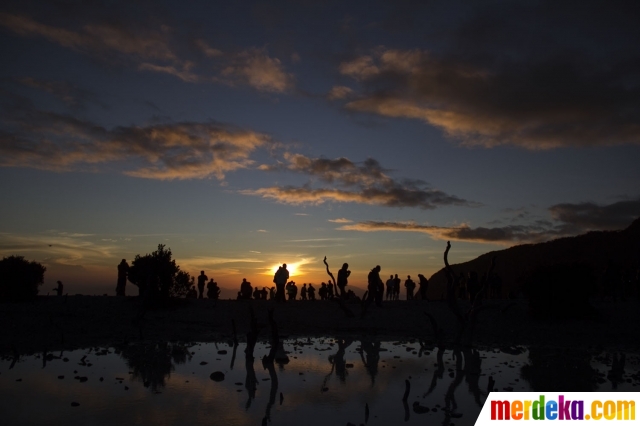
[
  {"x": 169, "y": 151},
  {"x": 256, "y": 69}
]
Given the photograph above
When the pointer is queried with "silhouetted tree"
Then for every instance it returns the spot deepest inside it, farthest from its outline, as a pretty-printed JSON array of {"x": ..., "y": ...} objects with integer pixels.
[
  {"x": 158, "y": 276},
  {"x": 19, "y": 278}
]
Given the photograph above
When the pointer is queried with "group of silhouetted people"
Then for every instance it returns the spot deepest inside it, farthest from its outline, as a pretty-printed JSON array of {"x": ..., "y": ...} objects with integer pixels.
[{"x": 213, "y": 291}]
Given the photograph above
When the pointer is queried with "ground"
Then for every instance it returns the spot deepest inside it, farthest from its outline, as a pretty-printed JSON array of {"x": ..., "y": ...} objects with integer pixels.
[{"x": 54, "y": 323}]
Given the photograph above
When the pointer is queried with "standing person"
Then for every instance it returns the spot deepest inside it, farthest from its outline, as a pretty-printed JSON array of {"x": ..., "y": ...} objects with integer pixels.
[
  {"x": 373, "y": 286},
  {"x": 303, "y": 292},
  {"x": 424, "y": 285},
  {"x": 343, "y": 275},
  {"x": 280, "y": 278},
  {"x": 322, "y": 292},
  {"x": 390, "y": 287},
  {"x": 245, "y": 289},
  {"x": 396, "y": 288},
  {"x": 410, "y": 285},
  {"x": 311, "y": 291},
  {"x": 59, "y": 288},
  {"x": 213, "y": 291},
  {"x": 123, "y": 270},
  {"x": 330, "y": 290},
  {"x": 202, "y": 280}
]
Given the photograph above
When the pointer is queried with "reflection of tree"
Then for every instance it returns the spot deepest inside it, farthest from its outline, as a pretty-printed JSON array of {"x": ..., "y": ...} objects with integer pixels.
[
  {"x": 556, "y": 370},
  {"x": 472, "y": 369},
  {"x": 251, "y": 381},
  {"x": 338, "y": 363},
  {"x": 372, "y": 351},
  {"x": 439, "y": 372},
  {"x": 152, "y": 362}
]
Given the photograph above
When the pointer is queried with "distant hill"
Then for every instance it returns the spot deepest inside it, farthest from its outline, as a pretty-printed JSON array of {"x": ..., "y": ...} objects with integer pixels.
[{"x": 594, "y": 248}]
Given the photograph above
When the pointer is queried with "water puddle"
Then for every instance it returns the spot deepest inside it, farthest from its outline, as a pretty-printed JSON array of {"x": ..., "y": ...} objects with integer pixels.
[{"x": 315, "y": 382}]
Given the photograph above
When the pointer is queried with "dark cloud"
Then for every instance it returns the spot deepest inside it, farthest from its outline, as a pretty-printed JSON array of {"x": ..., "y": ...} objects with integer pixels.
[
  {"x": 593, "y": 216},
  {"x": 570, "y": 219},
  {"x": 185, "y": 150},
  {"x": 501, "y": 235},
  {"x": 365, "y": 183},
  {"x": 159, "y": 48},
  {"x": 533, "y": 74}
]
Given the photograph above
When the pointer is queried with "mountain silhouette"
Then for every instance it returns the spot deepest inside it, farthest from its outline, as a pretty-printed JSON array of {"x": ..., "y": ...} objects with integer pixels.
[{"x": 513, "y": 265}]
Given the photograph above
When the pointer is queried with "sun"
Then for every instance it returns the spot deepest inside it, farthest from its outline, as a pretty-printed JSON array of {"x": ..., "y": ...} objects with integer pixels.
[{"x": 291, "y": 267}]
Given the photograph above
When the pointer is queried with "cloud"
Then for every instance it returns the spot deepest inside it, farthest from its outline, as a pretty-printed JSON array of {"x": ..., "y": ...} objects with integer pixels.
[
  {"x": 501, "y": 235},
  {"x": 185, "y": 74},
  {"x": 97, "y": 38},
  {"x": 563, "y": 90},
  {"x": 256, "y": 69},
  {"x": 157, "y": 50},
  {"x": 340, "y": 220},
  {"x": 366, "y": 184},
  {"x": 186, "y": 150},
  {"x": 53, "y": 247},
  {"x": 570, "y": 219},
  {"x": 208, "y": 50},
  {"x": 593, "y": 216},
  {"x": 339, "y": 92}
]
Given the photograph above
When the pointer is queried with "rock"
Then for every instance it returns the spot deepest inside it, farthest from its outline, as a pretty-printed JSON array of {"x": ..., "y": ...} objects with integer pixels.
[{"x": 217, "y": 376}]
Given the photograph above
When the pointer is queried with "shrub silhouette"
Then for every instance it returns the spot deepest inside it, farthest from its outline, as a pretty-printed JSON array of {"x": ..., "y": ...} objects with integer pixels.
[
  {"x": 19, "y": 278},
  {"x": 157, "y": 275}
]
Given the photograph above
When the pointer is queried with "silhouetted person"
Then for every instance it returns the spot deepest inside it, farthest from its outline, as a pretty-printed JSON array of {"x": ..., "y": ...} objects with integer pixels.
[
  {"x": 330, "y": 290},
  {"x": 322, "y": 292},
  {"x": 192, "y": 293},
  {"x": 280, "y": 278},
  {"x": 396, "y": 287},
  {"x": 343, "y": 276},
  {"x": 410, "y": 285},
  {"x": 213, "y": 291},
  {"x": 59, "y": 288},
  {"x": 202, "y": 280},
  {"x": 424, "y": 285},
  {"x": 263, "y": 293},
  {"x": 245, "y": 290},
  {"x": 374, "y": 285},
  {"x": 303, "y": 292},
  {"x": 123, "y": 270},
  {"x": 272, "y": 293},
  {"x": 311, "y": 291},
  {"x": 390, "y": 285},
  {"x": 256, "y": 293}
]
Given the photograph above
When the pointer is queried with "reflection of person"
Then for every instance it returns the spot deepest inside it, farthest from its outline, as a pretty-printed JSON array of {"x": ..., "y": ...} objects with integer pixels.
[
  {"x": 123, "y": 270},
  {"x": 58, "y": 289},
  {"x": 343, "y": 275}
]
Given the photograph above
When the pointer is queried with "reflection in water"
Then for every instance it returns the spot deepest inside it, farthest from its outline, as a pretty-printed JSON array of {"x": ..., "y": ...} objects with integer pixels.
[
  {"x": 151, "y": 363},
  {"x": 372, "y": 351},
  {"x": 560, "y": 370},
  {"x": 310, "y": 390}
]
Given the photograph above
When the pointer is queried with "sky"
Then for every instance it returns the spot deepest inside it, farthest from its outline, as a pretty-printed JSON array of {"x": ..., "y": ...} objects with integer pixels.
[{"x": 243, "y": 135}]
